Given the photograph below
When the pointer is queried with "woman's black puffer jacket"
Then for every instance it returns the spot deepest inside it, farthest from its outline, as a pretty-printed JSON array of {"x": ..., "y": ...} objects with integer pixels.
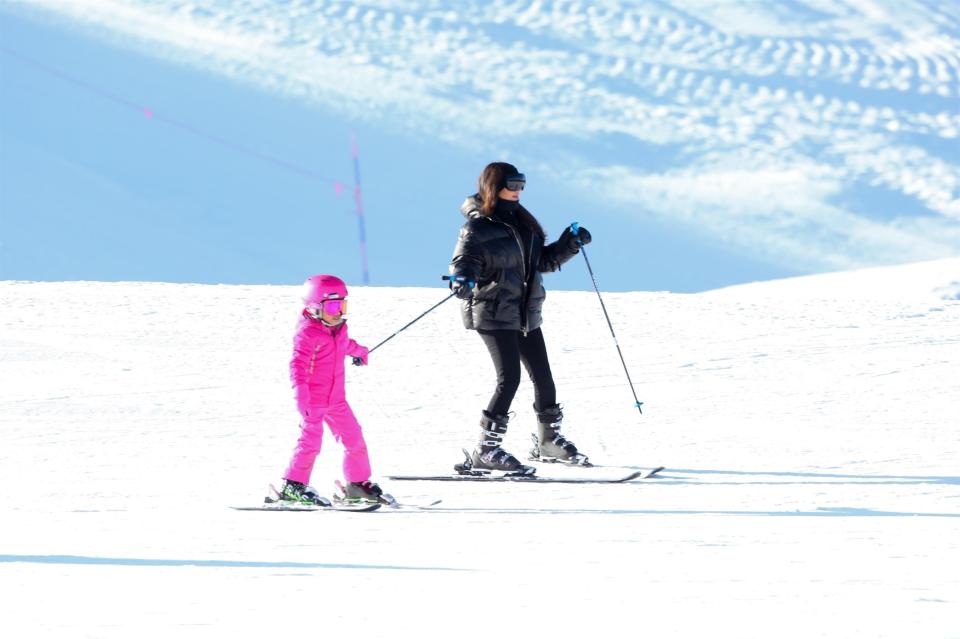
[{"x": 509, "y": 291}]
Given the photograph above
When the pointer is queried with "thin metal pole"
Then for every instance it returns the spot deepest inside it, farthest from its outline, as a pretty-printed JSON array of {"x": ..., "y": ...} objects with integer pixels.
[
  {"x": 583, "y": 251},
  {"x": 414, "y": 321}
]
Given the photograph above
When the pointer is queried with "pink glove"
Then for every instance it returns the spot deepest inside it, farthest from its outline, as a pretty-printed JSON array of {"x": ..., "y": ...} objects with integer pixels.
[
  {"x": 361, "y": 355},
  {"x": 302, "y": 394}
]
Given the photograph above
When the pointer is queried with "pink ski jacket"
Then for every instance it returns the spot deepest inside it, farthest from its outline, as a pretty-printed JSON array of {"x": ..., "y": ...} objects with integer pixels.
[{"x": 318, "y": 360}]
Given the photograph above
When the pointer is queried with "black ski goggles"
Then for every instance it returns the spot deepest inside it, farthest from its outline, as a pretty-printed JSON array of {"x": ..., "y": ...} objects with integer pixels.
[{"x": 515, "y": 182}]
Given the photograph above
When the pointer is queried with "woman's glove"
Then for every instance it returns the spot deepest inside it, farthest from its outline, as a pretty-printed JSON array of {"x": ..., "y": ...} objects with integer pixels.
[
  {"x": 462, "y": 288},
  {"x": 301, "y": 393},
  {"x": 574, "y": 242}
]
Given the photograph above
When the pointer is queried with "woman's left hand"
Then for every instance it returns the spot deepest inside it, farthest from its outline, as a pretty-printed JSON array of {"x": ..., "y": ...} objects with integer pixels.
[{"x": 574, "y": 242}]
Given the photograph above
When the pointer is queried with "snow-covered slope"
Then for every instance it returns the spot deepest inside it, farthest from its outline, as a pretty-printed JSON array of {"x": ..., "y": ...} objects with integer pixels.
[{"x": 809, "y": 428}]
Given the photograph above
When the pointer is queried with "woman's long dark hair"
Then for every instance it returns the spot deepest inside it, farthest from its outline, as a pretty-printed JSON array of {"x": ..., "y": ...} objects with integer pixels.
[{"x": 492, "y": 179}]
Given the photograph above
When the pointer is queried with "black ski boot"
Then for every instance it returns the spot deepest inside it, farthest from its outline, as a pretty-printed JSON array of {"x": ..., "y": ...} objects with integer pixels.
[
  {"x": 296, "y": 492},
  {"x": 488, "y": 455},
  {"x": 549, "y": 445}
]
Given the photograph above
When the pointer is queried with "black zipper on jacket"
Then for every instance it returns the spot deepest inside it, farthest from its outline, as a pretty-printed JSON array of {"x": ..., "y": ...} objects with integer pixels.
[
  {"x": 523, "y": 258},
  {"x": 526, "y": 282}
]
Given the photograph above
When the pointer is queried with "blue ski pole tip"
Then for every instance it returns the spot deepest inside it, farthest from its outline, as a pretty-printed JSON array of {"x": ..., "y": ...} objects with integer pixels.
[{"x": 575, "y": 228}]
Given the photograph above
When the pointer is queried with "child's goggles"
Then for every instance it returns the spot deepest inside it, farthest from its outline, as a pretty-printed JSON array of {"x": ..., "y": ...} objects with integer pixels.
[{"x": 336, "y": 306}]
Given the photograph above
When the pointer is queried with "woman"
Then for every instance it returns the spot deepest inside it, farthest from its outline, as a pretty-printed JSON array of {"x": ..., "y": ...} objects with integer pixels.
[{"x": 496, "y": 271}]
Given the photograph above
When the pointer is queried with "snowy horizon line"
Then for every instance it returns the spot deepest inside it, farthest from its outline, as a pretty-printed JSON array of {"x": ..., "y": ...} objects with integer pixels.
[{"x": 900, "y": 282}]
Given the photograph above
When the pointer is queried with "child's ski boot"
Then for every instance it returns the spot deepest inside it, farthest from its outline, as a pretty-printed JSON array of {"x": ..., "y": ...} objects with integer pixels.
[
  {"x": 362, "y": 492},
  {"x": 298, "y": 493}
]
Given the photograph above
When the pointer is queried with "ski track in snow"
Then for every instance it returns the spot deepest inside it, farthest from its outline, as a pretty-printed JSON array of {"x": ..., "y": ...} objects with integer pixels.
[
  {"x": 781, "y": 128},
  {"x": 809, "y": 427}
]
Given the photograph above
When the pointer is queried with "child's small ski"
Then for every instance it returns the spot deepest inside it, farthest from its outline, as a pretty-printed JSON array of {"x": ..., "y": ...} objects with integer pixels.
[
  {"x": 273, "y": 501},
  {"x": 412, "y": 506},
  {"x": 291, "y": 507}
]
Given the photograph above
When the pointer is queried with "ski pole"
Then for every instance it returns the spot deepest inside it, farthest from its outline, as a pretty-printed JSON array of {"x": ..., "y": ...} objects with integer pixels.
[
  {"x": 357, "y": 361},
  {"x": 575, "y": 227}
]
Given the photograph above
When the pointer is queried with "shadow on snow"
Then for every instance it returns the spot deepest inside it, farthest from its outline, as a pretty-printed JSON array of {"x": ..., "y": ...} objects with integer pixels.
[
  {"x": 799, "y": 478},
  {"x": 202, "y": 563}
]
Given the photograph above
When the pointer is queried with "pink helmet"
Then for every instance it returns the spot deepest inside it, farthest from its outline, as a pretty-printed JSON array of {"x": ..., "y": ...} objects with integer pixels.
[{"x": 323, "y": 287}]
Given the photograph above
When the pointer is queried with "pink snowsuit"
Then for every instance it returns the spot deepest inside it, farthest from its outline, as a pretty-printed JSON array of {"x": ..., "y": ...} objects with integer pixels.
[{"x": 317, "y": 373}]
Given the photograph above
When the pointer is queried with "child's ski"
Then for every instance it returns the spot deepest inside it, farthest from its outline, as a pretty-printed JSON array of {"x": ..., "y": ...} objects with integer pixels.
[
  {"x": 413, "y": 506},
  {"x": 274, "y": 501},
  {"x": 291, "y": 507}
]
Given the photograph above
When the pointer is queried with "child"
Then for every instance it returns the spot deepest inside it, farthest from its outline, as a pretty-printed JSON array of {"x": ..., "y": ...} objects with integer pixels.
[{"x": 317, "y": 371}]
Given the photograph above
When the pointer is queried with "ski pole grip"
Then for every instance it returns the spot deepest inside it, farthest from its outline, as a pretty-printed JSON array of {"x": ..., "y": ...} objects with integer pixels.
[
  {"x": 459, "y": 278},
  {"x": 575, "y": 229}
]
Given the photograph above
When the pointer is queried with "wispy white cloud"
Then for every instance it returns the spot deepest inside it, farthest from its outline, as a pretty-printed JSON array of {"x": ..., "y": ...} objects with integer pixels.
[
  {"x": 799, "y": 101},
  {"x": 781, "y": 213}
]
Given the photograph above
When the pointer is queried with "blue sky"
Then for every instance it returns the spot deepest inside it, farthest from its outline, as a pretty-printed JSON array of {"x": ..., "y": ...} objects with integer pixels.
[{"x": 701, "y": 147}]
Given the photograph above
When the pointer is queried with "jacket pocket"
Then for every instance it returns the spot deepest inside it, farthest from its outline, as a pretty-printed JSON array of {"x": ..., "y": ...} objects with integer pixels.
[{"x": 494, "y": 306}]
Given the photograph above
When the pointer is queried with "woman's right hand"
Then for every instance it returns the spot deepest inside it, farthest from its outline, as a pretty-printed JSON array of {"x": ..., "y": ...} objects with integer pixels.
[{"x": 462, "y": 288}]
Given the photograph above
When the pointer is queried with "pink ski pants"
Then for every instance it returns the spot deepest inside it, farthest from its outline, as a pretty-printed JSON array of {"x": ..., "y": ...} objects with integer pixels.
[{"x": 345, "y": 428}]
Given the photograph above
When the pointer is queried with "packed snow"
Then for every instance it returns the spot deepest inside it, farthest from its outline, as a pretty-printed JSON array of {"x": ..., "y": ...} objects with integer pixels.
[{"x": 809, "y": 428}]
